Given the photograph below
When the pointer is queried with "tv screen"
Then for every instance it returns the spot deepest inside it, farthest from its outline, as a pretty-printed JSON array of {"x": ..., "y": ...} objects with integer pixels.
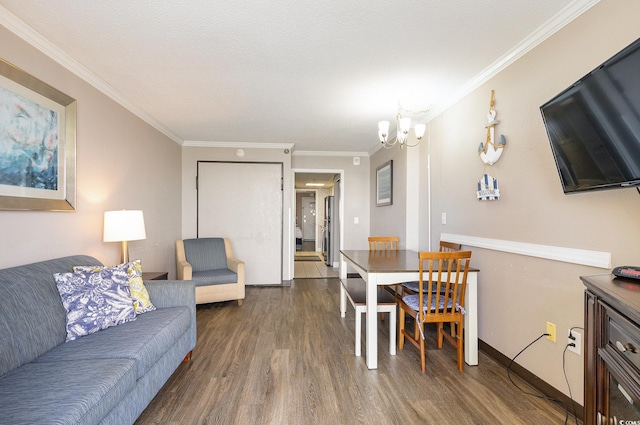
[{"x": 594, "y": 126}]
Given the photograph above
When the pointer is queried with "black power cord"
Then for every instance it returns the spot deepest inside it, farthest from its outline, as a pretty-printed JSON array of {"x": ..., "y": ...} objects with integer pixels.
[
  {"x": 572, "y": 344},
  {"x": 542, "y": 396}
]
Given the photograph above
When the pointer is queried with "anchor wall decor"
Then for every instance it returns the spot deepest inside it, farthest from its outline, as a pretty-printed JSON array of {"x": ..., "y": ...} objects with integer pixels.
[{"x": 488, "y": 150}]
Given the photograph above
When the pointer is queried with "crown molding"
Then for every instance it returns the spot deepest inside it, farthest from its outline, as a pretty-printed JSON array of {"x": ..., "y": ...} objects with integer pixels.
[
  {"x": 328, "y": 153},
  {"x": 244, "y": 145},
  {"x": 34, "y": 38},
  {"x": 546, "y": 30}
]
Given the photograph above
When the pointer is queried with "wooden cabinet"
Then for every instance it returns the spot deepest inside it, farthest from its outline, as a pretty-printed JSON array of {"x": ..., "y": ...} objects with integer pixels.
[{"x": 612, "y": 350}]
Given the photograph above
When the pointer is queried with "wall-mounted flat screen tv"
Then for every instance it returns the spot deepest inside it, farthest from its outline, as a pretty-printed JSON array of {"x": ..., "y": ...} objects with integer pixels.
[{"x": 594, "y": 126}]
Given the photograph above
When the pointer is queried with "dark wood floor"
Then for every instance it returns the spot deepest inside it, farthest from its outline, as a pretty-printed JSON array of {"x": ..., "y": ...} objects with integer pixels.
[{"x": 286, "y": 357}]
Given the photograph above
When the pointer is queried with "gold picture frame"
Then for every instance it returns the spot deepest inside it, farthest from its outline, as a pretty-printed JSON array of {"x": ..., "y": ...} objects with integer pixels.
[{"x": 37, "y": 144}]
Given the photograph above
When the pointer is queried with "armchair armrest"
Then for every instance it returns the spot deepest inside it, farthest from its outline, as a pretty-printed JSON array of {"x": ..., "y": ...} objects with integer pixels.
[
  {"x": 184, "y": 270},
  {"x": 236, "y": 266}
]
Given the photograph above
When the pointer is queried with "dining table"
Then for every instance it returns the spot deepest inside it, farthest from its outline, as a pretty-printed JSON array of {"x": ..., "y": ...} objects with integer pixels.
[{"x": 397, "y": 266}]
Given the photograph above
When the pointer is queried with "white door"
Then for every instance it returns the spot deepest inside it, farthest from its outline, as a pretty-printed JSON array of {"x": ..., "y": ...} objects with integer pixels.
[
  {"x": 243, "y": 201},
  {"x": 308, "y": 218}
]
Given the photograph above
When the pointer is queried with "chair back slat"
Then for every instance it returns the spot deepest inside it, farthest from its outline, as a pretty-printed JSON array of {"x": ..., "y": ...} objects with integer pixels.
[
  {"x": 383, "y": 243},
  {"x": 445, "y": 276},
  {"x": 449, "y": 246}
]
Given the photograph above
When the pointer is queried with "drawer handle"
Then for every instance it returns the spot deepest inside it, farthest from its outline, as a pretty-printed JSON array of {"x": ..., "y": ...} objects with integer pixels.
[{"x": 628, "y": 347}]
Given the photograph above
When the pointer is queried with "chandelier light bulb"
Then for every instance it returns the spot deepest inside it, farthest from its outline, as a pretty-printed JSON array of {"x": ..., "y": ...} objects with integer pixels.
[
  {"x": 405, "y": 125},
  {"x": 383, "y": 130}
]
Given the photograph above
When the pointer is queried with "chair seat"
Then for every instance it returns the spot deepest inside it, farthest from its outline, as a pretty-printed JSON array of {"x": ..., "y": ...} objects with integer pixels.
[
  {"x": 412, "y": 286},
  {"x": 413, "y": 302},
  {"x": 214, "y": 277}
]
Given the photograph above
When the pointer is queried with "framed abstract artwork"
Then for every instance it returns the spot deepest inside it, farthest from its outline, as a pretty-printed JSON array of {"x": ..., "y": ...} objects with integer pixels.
[
  {"x": 384, "y": 184},
  {"x": 37, "y": 144}
]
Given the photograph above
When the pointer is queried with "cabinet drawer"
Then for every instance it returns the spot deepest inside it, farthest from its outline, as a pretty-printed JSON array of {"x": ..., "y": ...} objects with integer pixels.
[{"x": 623, "y": 337}]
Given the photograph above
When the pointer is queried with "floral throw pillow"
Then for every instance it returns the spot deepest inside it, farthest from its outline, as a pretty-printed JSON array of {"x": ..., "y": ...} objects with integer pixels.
[
  {"x": 141, "y": 300},
  {"x": 95, "y": 301}
]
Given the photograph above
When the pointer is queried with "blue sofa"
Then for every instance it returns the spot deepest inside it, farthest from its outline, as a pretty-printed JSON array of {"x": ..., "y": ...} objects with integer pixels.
[{"x": 108, "y": 377}]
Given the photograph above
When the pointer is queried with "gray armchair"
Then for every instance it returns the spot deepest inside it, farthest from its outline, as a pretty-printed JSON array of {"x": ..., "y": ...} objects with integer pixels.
[{"x": 209, "y": 262}]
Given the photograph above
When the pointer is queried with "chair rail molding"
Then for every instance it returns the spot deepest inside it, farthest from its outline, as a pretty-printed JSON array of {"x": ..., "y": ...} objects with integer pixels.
[{"x": 598, "y": 259}]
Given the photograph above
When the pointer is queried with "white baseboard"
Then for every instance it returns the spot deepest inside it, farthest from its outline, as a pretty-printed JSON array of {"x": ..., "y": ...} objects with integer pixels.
[{"x": 568, "y": 255}]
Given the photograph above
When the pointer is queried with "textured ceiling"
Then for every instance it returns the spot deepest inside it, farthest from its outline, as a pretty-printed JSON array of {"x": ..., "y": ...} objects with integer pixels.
[{"x": 317, "y": 74}]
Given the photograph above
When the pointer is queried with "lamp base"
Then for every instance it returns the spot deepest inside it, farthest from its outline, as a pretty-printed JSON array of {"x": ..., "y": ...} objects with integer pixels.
[{"x": 124, "y": 254}]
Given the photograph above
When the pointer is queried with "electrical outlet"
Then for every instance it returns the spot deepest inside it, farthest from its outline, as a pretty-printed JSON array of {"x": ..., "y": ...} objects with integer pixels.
[
  {"x": 574, "y": 338},
  {"x": 551, "y": 330}
]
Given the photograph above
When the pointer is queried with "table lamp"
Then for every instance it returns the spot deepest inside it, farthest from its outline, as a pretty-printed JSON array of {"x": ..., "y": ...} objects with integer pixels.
[{"x": 124, "y": 226}]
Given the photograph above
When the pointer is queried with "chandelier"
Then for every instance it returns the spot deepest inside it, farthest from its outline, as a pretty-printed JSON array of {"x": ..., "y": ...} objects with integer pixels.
[{"x": 403, "y": 126}]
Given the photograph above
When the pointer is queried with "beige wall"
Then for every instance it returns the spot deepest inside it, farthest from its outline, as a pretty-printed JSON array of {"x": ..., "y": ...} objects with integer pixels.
[
  {"x": 390, "y": 220},
  {"x": 519, "y": 294},
  {"x": 122, "y": 163}
]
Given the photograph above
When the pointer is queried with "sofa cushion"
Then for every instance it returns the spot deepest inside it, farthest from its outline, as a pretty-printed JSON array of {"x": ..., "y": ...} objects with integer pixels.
[
  {"x": 139, "y": 293},
  {"x": 95, "y": 300},
  {"x": 31, "y": 306},
  {"x": 205, "y": 254},
  {"x": 144, "y": 340},
  {"x": 214, "y": 277},
  {"x": 75, "y": 392}
]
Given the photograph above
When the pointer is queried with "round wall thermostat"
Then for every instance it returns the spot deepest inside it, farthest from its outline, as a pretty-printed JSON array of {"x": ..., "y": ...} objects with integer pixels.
[{"x": 240, "y": 152}]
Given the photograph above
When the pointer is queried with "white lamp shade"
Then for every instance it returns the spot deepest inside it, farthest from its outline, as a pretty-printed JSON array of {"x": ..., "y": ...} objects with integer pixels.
[
  {"x": 405, "y": 124},
  {"x": 383, "y": 127},
  {"x": 123, "y": 225},
  {"x": 420, "y": 128}
]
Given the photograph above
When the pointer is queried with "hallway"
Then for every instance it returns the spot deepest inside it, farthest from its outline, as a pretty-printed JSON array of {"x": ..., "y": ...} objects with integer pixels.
[{"x": 309, "y": 264}]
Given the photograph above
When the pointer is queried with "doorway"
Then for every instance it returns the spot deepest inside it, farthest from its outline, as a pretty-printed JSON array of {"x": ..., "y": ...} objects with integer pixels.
[{"x": 312, "y": 188}]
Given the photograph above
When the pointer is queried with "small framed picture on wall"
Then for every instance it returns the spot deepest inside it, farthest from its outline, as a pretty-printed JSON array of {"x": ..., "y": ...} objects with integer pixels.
[{"x": 384, "y": 184}]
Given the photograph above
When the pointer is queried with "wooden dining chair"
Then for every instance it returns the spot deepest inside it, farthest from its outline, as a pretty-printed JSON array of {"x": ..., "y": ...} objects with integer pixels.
[
  {"x": 383, "y": 243},
  {"x": 440, "y": 299},
  {"x": 412, "y": 287}
]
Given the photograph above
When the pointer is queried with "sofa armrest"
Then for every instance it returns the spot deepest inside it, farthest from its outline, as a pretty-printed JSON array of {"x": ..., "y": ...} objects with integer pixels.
[
  {"x": 174, "y": 293},
  {"x": 171, "y": 293}
]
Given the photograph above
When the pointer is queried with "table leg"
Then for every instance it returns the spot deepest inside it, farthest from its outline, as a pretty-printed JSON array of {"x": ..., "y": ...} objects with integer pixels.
[
  {"x": 371, "y": 338},
  {"x": 343, "y": 293},
  {"x": 471, "y": 321}
]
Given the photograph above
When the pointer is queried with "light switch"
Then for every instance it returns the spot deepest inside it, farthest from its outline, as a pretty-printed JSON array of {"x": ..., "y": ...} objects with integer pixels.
[
  {"x": 356, "y": 220},
  {"x": 444, "y": 218}
]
